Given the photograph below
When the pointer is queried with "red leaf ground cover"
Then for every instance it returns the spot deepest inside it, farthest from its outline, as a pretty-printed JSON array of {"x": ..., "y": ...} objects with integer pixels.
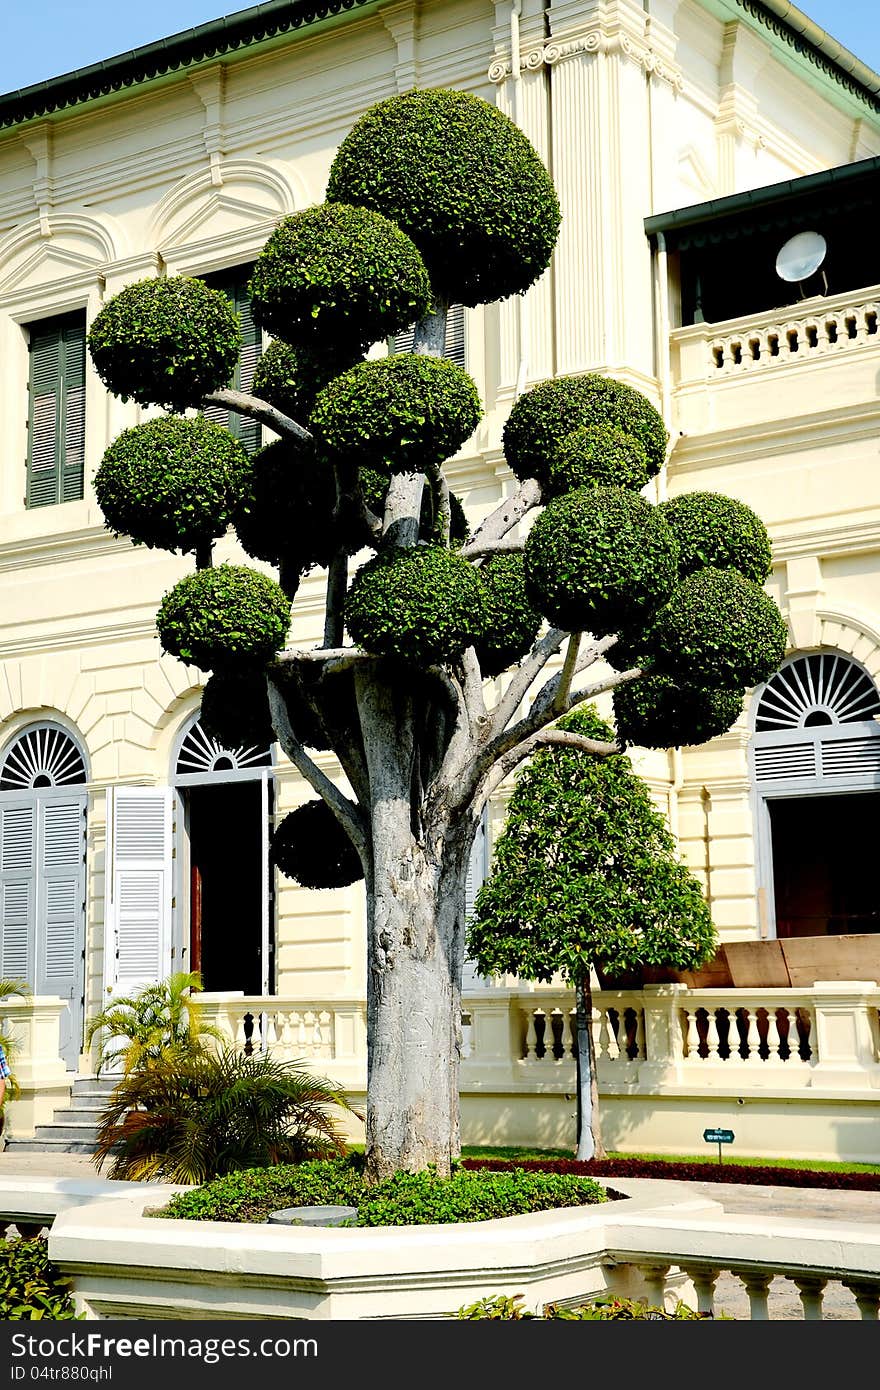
[{"x": 759, "y": 1176}]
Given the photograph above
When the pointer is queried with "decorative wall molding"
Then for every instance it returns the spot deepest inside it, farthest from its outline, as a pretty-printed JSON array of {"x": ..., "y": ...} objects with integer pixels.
[{"x": 648, "y": 58}]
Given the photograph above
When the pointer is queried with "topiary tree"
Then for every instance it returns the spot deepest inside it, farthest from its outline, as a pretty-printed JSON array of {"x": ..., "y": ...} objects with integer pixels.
[
  {"x": 434, "y": 197},
  {"x": 585, "y": 873}
]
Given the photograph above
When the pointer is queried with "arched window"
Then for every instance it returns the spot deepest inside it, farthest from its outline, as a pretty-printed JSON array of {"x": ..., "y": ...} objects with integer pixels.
[
  {"x": 816, "y": 767},
  {"x": 200, "y": 754},
  {"x": 44, "y": 756}
]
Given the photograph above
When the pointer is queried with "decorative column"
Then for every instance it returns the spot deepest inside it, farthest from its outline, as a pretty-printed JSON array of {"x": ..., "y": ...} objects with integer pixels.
[
  {"x": 35, "y": 1025},
  {"x": 664, "y": 1044},
  {"x": 845, "y": 1040}
]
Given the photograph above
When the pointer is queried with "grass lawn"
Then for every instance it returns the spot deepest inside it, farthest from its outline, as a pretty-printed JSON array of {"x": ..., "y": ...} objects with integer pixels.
[{"x": 806, "y": 1165}]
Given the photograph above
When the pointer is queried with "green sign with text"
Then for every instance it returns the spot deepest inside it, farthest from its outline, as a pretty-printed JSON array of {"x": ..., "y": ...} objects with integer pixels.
[{"x": 718, "y": 1136}]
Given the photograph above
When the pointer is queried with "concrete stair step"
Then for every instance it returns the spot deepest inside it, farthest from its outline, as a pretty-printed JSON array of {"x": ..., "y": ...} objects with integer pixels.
[
  {"x": 66, "y": 1130},
  {"x": 53, "y": 1145},
  {"x": 78, "y": 1114}
]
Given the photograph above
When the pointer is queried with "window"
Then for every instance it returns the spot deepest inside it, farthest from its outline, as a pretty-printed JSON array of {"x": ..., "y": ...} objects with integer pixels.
[
  {"x": 454, "y": 345},
  {"x": 56, "y": 415},
  {"x": 233, "y": 283}
]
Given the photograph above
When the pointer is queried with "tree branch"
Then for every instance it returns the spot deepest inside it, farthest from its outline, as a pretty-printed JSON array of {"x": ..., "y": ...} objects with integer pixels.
[
  {"x": 442, "y": 506},
  {"x": 349, "y": 815},
  {"x": 267, "y": 414},
  {"x": 429, "y": 338},
  {"x": 514, "y": 756},
  {"x": 403, "y": 507},
  {"x": 472, "y": 551},
  {"x": 332, "y": 658},
  {"x": 337, "y": 583},
  {"x": 524, "y": 677},
  {"x": 473, "y": 686},
  {"x": 568, "y": 670},
  {"x": 506, "y": 515},
  {"x": 546, "y": 696}
]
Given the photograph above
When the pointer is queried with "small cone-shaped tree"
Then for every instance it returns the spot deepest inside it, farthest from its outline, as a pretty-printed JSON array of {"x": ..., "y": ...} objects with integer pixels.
[
  {"x": 585, "y": 873},
  {"x": 434, "y": 196}
]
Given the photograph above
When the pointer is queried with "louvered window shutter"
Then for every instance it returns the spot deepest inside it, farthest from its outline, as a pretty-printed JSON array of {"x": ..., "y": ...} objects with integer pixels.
[
  {"x": 56, "y": 417},
  {"x": 18, "y": 889},
  {"x": 139, "y": 883},
  {"x": 61, "y": 893},
  {"x": 243, "y": 428}
]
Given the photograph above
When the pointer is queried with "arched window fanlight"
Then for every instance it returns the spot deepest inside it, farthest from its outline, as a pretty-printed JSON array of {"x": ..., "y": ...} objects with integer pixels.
[
  {"x": 812, "y": 691},
  {"x": 199, "y": 753},
  {"x": 41, "y": 757}
]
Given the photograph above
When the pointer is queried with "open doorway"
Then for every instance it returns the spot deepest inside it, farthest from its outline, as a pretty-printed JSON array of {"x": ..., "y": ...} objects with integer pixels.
[{"x": 824, "y": 872}]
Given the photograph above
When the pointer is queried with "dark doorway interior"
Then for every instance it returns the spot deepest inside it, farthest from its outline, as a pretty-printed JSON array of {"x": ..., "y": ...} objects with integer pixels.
[
  {"x": 226, "y": 868},
  {"x": 824, "y": 864}
]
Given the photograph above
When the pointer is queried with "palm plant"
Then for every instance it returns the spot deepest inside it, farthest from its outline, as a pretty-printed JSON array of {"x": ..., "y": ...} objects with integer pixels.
[
  {"x": 162, "y": 1018},
  {"x": 190, "y": 1117},
  {"x": 10, "y": 989}
]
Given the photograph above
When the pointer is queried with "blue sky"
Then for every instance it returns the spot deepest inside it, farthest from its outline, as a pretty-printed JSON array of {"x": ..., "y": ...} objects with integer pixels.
[{"x": 44, "y": 38}]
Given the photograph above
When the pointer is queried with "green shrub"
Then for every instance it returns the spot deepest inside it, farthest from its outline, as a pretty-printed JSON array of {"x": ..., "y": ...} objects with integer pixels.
[
  {"x": 718, "y": 629},
  {"x": 191, "y": 1117},
  {"x": 599, "y": 559},
  {"x": 607, "y": 1308},
  {"x": 655, "y": 712},
  {"x": 312, "y": 848},
  {"x": 166, "y": 342},
  {"x": 224, "y": 617},
  {"x": 464, "y": 182},
  {"x": 718, "y": 532},
  {"x": 235, "y": 709},
  {"x": 543, "y": 418},
  {"x": 406, "y": 1199},
  {"x": 512, "y": 622},
  {"x": 333, "y": 273},
  {"x": 32, "y": 1288},
  {"x": 159, "y": 1020},
  {"x": 172, "y": 483},
  {"x": 285, "y": 512},
  {"x": 291, "y": 377},
  {"x": 405, "y": 413},
  {"x": 423, "y": 604},
  {"x": 597, "y": 456}
]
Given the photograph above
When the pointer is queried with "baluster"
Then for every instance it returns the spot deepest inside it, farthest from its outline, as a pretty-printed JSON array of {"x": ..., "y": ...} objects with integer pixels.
[
  {"x": 325, "y": 1031},
  {"x": 308, "y": 1031},
  {"x": 241, "y": 1033},
  {"x": 704, "y": 1281},
  {"x": 286, "y": 1031},
  {"x": 270, "y": 1034},
  {"x": 532, "y": 1033},
  {"x": 641, "y": 1050},
  {"x": 712, "y": 1038},
  {"x": 604, "y": 1045},
  {"x": 757, "y": 1286},
  {"x": 774, "y": 1040},
  {"x": 811, "y": 1291},
  {"x": 867, "y": 1297},
  {"x": 655, "y": 1283},
  {"x": 692, "y": 1042},
  {"x": 810, "y": 1036},
  {"x": 753, "y": 1037},
  {"x": 299, "y": 1030}
]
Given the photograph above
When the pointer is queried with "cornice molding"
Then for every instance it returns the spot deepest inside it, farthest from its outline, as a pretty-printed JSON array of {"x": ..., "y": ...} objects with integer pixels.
[{"x": 608, "y": 43}]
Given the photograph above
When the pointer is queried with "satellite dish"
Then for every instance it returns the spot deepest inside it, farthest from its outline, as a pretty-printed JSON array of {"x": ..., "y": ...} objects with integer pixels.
[{"x": 801, "y": 256}]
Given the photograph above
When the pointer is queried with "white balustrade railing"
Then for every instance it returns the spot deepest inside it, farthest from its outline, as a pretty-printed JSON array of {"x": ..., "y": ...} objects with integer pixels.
[{"x": 818, "y": 328}]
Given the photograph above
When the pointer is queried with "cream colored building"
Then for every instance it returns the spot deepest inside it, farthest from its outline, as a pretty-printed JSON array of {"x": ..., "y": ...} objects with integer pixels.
[{"x": 130, "y": 845}]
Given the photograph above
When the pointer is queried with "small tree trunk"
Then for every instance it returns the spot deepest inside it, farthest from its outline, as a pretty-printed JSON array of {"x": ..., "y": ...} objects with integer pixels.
[{"x": 589, "y": 1129}]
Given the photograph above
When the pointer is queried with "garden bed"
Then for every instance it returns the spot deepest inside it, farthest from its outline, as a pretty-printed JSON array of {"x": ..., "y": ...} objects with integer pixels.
[{"x": 759, "y": 1175}]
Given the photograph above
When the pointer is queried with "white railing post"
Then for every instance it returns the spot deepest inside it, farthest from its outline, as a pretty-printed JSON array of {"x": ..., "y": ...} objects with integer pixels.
[
  {"x": 845, "y": 1034},
  {"x": 664, "y": 1044},
  {"x": 37, "y": 1064}
]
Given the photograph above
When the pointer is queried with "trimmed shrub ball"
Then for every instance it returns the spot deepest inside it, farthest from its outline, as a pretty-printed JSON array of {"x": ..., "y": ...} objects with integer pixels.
[
  {"x": 312, "y": 848},
  {"x": 290, "y": 378},
  {"x": 166, "y": 342},
  {"x": 599, "y": 559},
  {"x": 375, "y": 489},
  {"x": 654, "y": 712},
  {"x": 286, "y": 509},
  {"x": 719, "y": 629},
  {"x": 597, "y": 456},
  {"x": 405, "y": 413},
  {"x": 511, "y": 621},
  {"x": 224, "y": 618},
  {"x": 235, "y": 709},
  {"x": 424, "y": 604},
  {"x": 717, "y": 532},
  {"x": 463, "y": 181},
  {"x": 172, "y": 483},
  {"x": 543, "y": 418},
  {"x": 334, "y": 274}
]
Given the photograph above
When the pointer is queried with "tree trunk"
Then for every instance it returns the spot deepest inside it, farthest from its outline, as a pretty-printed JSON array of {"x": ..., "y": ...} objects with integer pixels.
[{"x": 589, "y": 1128}]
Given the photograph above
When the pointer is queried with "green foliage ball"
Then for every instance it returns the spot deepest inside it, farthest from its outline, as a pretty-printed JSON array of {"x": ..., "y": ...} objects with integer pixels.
[
  {"x": 334, "y": 274},
  {"x": 290, "y": 377},
  {"x": 461, "y": 178},
  {"x": 375, "y": 490},
  {"x": 235, "y": 709},
  {"x": 598, "y": 559},
  {"x": 512, "y": 622},
  {"x": 597, "y": 456},
  {"x": 312, "y": 848},
  {"x": 423, "y": 604},
  {"x": 166, "y": 342},
  {"x": 223, "y": 618},
  {"x": 542, "y": 420},
  {"x": 655, "y": 712},
  {"x": 719, "y": 629},
  {"x": 718, "y": 532},
  {"x": 286, "y": 508},
  {"x": 172, "y": 483},
  {"x": 405, "y": 413}
]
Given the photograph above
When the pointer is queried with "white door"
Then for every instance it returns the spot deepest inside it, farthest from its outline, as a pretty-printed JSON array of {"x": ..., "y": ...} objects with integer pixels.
[{"x": 139, "y": 888}]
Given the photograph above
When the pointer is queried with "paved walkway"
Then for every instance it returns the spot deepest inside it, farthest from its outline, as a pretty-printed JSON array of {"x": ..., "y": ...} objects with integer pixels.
[{"x": 810, "y": 1204}]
